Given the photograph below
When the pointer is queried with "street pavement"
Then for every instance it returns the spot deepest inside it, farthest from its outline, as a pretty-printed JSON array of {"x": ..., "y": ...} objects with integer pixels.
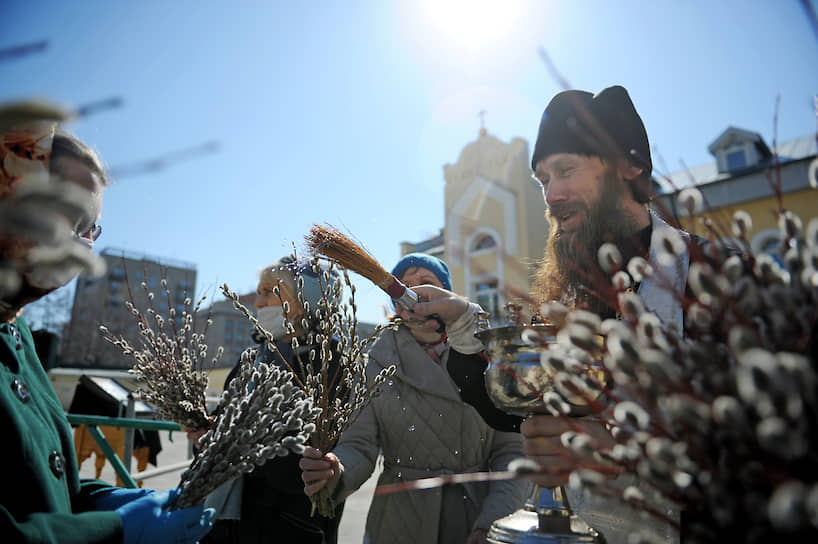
[{"x": 175, "y": 449}]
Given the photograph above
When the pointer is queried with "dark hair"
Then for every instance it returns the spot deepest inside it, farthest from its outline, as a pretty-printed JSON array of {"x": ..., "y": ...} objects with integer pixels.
[{"x": 66, "y": 145}]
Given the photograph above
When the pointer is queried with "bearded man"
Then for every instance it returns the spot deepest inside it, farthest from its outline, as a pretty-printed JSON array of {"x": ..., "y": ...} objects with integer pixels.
[{"x": 592, "y": 158}]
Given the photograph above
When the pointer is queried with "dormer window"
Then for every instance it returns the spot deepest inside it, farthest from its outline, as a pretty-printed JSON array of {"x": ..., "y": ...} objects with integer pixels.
[
  {"x": 737, "y": 149},
  {"x": 736, "y": 159}
]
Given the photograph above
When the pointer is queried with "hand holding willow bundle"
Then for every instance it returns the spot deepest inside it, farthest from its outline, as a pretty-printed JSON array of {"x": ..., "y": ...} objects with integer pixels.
[
  {"x": 171, "y": 360},
  {"x": 261, "y": 415},
  {"x": 722, "y": 423}
]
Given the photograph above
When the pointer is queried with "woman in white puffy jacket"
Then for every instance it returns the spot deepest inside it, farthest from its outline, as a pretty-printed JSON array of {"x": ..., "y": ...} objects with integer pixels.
[{"x": 425, "y": 426}]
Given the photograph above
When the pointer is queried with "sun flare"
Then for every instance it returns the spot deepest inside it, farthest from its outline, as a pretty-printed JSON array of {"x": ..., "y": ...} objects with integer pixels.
[{"x": 471, "y": 24}]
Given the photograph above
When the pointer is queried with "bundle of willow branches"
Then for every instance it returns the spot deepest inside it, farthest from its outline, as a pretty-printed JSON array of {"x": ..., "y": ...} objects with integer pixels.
[
  {"x": 170, "y": 359},
  {"x": 261, "y": 415},
  {"x": 723, "y": 422},
  {"x": 330, "y": 360}
]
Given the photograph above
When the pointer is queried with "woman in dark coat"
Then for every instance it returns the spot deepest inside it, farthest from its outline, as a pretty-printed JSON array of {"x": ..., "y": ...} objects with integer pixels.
[{"x": 273, "y": 506}]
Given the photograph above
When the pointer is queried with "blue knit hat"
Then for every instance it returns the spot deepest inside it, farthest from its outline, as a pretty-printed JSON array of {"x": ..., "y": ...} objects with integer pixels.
[{"x": 429, "y": 262}]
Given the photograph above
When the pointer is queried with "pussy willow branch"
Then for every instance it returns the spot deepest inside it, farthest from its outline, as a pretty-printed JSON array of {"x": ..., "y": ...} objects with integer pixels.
[
  {"x": 271, "y": 343},
  {"x": 330, "y": 341},
  {"x": 694, "y": 419},
  {"x": 261, "y": 415},
  {"x": 170, "y": 365}
]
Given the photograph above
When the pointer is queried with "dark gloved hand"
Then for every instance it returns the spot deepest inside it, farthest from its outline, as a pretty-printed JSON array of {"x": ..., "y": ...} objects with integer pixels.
[
  {"x": 148, "y": 521},
  {"x": 111, "y": 499}
]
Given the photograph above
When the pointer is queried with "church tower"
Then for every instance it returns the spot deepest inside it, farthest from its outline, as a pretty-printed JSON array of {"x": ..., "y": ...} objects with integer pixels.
[{"x": 495, "y": 228}]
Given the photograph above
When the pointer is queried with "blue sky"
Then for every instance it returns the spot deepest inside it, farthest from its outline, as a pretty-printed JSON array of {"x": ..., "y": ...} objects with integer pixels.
[{"x": 345, "y": 112}]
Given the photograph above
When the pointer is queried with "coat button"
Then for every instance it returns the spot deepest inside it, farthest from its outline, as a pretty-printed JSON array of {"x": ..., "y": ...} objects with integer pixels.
[
  {"x": 57, "y": 463},
  {"x": 18, "y": 340},
  {"x": 21, "y": 390}
]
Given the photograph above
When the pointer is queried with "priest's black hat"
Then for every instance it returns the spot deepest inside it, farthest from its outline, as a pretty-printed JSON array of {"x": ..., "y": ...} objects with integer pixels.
[{"x": 605, "y": 124}]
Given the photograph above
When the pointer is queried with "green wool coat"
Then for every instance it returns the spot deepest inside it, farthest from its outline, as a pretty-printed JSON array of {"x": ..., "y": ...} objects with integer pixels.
[{"x": 42, "y": 498}]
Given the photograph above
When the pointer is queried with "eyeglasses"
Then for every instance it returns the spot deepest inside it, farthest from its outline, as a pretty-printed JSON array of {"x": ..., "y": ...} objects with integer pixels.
[{"x": 91, "y": 234}]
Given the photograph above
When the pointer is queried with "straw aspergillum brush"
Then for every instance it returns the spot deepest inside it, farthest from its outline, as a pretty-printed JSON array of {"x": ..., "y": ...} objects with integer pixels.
[{"x": 336, "y": 246}]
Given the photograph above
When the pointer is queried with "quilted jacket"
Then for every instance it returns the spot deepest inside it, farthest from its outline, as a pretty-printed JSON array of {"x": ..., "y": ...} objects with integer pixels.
[{"x": 424, "y": 429}]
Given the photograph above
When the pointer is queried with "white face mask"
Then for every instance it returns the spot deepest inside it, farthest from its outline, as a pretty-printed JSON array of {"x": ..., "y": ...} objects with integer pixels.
[{"x": 272, "y": 319}]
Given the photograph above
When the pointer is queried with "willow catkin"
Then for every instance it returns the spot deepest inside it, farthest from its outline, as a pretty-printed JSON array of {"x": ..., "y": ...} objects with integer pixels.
[
  {"x": 169, "y": 360},
  {"x": 250, "y": 431},
  {"x": 331, "y": 343},
  {"x": 724, "y": 422}
]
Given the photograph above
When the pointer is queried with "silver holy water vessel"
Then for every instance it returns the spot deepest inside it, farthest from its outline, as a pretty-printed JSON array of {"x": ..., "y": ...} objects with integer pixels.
[{"x": 515, "y": 381}]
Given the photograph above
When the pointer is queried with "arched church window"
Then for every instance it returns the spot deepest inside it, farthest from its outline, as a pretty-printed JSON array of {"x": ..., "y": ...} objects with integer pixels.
[
  {"x": 486, "y": 295},
  {"x": 485, "y": 241}
]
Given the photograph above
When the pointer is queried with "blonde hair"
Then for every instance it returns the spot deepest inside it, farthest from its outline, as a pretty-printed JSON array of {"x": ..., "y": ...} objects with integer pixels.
[
  {"x": 68, "y": 146},
  {"x": 277, "y": 275}
]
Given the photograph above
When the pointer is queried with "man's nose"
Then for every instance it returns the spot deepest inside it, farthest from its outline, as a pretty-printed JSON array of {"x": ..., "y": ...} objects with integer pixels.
[{"x": 555, "y": 192}]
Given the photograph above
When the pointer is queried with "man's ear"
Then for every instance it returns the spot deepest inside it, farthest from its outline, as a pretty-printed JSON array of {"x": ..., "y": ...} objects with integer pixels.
[
  {"x": 639, "y": 183},
  {"x": 628, "y": 171}
]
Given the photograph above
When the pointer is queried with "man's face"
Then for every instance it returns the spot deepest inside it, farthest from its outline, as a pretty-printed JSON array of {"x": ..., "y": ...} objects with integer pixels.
[
  {"x": 572, "y": 185},
  {"x": 589, "y": 203}
]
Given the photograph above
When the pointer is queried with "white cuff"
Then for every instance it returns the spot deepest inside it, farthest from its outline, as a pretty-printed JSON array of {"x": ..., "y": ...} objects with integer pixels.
[{"x": 461, "y": 331}]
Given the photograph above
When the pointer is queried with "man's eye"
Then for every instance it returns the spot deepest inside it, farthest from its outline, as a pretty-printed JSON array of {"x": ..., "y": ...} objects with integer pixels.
[{"x": 565, "y": 172}]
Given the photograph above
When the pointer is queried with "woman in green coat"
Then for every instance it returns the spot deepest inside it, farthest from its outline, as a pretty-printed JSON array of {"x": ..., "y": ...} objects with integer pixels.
[{"x": 42, "y": 498}]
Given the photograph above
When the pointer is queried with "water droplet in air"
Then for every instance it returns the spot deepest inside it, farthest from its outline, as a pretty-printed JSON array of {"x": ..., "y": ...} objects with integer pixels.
[
  {"x": 397, "y": 460},
  {"x": 410, "y": 458},
  {"x": 411, "y": 428},
  {"x": 457, "y": 452},
  {"x": 400, "y": 474}
]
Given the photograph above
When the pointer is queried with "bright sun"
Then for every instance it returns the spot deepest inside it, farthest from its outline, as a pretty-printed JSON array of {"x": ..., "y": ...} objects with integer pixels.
[{"x": 472, "y": 24}]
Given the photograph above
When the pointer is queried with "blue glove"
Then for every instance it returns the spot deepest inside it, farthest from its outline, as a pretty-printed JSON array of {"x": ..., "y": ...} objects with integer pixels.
[
  {"x": 147, "y": 521},
  {"x": 111, "y": 499}
]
